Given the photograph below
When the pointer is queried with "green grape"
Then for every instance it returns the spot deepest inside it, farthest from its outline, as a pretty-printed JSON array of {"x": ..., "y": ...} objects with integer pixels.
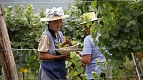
[
  {"x": 74, "y": 42},
  {"x": 59, "y": 45},
  {"x": 66, "y": 45}
]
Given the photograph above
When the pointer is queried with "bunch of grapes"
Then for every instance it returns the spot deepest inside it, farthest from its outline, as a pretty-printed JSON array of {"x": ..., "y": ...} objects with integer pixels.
[{"x": 66, "y": 43}]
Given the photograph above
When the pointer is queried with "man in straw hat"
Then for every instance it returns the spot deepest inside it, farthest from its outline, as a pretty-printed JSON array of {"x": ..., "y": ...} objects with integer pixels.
[
  {"x": 90, "y": 52},
  {"x": 52, "y": 66}
]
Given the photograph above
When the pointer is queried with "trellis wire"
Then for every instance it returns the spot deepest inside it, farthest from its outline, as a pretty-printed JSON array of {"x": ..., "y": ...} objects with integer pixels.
[{"x": 13, "y": 49}]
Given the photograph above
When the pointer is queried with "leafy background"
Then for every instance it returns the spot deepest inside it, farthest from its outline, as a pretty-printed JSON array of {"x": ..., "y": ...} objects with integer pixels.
[{"x": 120, "y": 27}]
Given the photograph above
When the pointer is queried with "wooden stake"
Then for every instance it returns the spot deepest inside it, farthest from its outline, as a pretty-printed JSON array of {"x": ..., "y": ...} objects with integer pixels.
[{"x": 6, "y": 55}]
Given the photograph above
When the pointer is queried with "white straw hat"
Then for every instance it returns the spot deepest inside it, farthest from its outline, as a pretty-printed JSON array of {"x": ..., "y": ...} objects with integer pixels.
[
  {"x": 54, "y": 14},
  {"x": 88, "y": 17}
]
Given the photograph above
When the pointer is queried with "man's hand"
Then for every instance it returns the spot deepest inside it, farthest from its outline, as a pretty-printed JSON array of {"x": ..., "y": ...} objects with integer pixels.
[{"x": 79, "y": 53}]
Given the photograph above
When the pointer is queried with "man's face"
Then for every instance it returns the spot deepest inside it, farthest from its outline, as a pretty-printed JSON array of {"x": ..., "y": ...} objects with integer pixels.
[
  {"x": 87, "y": 29},
  {"x": 56, "y": 25}
]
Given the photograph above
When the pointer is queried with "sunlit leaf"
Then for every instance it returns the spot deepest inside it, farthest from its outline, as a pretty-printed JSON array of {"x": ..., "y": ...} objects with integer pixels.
[{"x": 94, "y": 4}]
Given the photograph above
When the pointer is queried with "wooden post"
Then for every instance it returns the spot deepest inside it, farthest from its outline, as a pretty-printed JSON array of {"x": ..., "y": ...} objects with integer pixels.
[
  {"x": 6, "y": 55},
  {"x": 109, "y": 72}
]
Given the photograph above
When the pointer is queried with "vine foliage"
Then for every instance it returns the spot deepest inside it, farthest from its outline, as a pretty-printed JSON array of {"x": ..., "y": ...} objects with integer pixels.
[{"x": 120, "y": 25}]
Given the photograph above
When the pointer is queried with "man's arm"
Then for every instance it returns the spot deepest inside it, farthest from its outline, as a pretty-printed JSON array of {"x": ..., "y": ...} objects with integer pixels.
[{"x": 86, "y": 59}]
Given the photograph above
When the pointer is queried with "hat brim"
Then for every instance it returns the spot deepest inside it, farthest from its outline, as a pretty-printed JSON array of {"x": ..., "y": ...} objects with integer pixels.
[
  {"x": 91, "y": 20},
  {"x": 54, "y": 18}
]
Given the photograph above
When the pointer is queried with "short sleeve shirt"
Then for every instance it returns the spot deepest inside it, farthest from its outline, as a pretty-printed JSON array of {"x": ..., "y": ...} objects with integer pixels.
[
  {"x": 90, "y": 48},
  {"x": 43, "y": 44}
]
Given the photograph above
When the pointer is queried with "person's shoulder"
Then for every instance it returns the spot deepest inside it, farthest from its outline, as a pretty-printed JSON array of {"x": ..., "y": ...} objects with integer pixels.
[
  {"x": 88, "y": 37},
  {"x": 43, "y": 37}
]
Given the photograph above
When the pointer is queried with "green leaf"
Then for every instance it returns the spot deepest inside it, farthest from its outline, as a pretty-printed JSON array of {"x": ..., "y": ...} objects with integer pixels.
[
  {"x": 33, "y": 57},
  {"x": 114, "y": 43},
  {"x": 123, "y": 36},
  {"x": 94, "y": 75},
  {"x": 114, "y": 32},
  {"x": 73, "y": 73},
  {"x": 105, "y": 18},
  {"x": 136, "y": 48},
  {"x": 106, "y": 35},
  {"x": 98, "y": 26},
  {"x": 132, "y": 42},
  {"x": 127, "y": 29},
  {"x": 131, "y": 23},
  {"x": 88, "y": 23},
  {"x": 72, "y": 55},
  {"x": 76, "y": 58},
  {"x": 124, "y": 44},
  {"x": 135, "y": 28},
  {"x": 92, "y": 30},
  {"x": 68, "y": 63},
  {"x": 112, "y": 15},
  {"x": 94, "y": 4},
  {"x": 80, "y": 70},
  {"x": 78, "y": 63},
  {"x": 127, "y": 17},
  {"x": 114, "y": 46},
  {"x": 104, "y": 29}
]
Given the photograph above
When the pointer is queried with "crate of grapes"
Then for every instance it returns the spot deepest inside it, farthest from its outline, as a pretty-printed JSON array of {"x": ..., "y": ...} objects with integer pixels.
[{"x": 66, "y": 47}]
